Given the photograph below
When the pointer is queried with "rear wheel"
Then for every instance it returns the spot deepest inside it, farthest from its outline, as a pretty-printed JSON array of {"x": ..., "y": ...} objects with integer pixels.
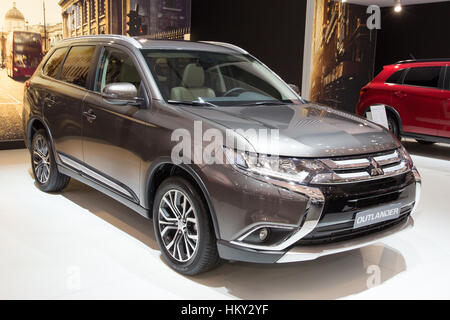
[
  {"x": 43, "y": 164},
  {"x": 183, "y": 228}
]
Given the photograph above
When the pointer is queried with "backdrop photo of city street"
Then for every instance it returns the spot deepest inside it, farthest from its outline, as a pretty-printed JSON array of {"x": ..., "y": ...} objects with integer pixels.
[{"x": 30, "y": 28}]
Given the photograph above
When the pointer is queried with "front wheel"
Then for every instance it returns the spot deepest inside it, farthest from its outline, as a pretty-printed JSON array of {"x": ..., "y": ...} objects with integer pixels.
[
  {"x": 393, "y": 125},
  {"x": 43, "y": 164},
  {"x": 183, "y": 227}
]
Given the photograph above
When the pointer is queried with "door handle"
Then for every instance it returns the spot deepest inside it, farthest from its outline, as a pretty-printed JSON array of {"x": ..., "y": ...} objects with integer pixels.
[
  {"x": 400, "y": 94},
  {"x": 89, "y": 115}
]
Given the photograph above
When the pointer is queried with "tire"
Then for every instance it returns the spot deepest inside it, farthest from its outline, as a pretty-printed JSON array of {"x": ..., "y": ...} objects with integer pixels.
[
  {"x": 393, "y": 125},
  {"x": 425, "y": 142},
  {"x": 176, "y": 235},
  {"x": 43, "y": 164}
]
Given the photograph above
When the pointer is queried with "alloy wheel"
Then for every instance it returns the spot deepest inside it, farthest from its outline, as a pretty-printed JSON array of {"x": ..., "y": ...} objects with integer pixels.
[
  {"x": 41, "y": 159},
  {"x": 178, "y": 225}
]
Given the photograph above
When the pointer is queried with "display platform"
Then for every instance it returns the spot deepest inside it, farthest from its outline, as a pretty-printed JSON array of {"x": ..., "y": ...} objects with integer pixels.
[{"x": 81, "y": 244}]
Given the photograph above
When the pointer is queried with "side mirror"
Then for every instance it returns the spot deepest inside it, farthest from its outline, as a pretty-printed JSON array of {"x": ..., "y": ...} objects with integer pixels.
[
  {"x": 121, "y": 93},
  {"x": 295, "y": 88}
]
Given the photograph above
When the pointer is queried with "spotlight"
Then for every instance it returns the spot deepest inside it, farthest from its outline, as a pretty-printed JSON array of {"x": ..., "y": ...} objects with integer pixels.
[{"x": 398, "y": 6}]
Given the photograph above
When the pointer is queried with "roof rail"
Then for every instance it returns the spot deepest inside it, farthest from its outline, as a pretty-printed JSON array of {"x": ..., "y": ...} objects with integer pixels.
[
  {"x": 422, "y": 60},
  {"x": 226, "y": 45},
  {"x": 106, "y": 37}
]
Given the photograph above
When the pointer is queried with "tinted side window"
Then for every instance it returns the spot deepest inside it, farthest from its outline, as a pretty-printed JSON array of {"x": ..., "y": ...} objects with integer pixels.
[
  {"x": 53, "y": 64},
  {"x": 76, "y": 67},
  {"x": 116, "y": 66},
  {"x": 396, "y": 77},
  {"x": 423, "y": 77}
]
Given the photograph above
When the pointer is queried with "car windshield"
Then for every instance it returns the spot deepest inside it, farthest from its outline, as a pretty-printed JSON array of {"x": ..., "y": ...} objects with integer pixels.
[{"x": 215, "y": 79}]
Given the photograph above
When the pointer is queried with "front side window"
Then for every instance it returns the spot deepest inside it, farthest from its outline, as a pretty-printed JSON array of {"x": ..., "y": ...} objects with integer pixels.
[
  {"x": 116, "y": 66},
  {"x": 423, "y": 77},
  {"x": 76, "y": 67},
  {"x": 219, "y": 78},
  {"x": 53, "y": 64}
]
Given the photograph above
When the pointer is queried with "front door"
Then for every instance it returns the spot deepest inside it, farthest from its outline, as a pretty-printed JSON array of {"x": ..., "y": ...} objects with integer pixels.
[{"x": 111, "y": 133}]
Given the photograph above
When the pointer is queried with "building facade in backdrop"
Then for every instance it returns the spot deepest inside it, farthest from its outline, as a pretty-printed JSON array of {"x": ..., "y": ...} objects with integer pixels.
[
  {"x": 168, "y": 19},
  {"x": 14, "y": 20},
  {"x": 343, "y": 51}
]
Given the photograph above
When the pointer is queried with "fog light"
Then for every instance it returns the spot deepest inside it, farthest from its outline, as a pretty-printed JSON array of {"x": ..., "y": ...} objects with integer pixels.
[{"x": 263, "y": 234}]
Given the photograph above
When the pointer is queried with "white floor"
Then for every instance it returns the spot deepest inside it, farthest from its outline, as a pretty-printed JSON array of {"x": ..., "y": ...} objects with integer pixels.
[{"x": 82, "y": 244}]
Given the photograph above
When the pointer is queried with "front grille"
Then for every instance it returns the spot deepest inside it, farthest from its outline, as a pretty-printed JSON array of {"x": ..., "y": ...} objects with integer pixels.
[
  {"x": 368, "y": 167},
  {"x": 344, "y": 201}
]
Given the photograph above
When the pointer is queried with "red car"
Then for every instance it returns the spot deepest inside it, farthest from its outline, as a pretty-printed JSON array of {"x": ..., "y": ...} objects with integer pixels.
[{"x": 416, "y": 94}]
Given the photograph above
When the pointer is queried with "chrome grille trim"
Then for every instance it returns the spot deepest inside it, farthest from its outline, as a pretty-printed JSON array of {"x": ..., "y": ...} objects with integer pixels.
[
  {"x": 388, "y": 158},
  {"x": 347, "y": 164},
  {"x": 361, "y": 168}
]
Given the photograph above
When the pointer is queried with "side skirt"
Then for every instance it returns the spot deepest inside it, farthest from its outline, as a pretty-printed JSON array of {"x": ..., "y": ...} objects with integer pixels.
[{"x": 109, "y": 192}]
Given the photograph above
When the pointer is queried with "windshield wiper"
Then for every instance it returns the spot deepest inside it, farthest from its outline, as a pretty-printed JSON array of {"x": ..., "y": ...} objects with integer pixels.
[
  {"x": 193, "y": 103},
  {"x": 266, "y": 103}
]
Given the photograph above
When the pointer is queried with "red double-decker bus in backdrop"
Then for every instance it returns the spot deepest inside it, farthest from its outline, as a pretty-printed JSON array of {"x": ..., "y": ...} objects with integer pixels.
[{"x": 23, "y": 53}]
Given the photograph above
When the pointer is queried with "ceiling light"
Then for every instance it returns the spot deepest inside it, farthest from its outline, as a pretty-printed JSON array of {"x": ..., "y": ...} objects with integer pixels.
[{"x": 398, "y": 6}]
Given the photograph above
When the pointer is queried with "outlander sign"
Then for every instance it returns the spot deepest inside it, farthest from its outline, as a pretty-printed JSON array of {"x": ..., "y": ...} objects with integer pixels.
[{"x": 377, "y": 215}]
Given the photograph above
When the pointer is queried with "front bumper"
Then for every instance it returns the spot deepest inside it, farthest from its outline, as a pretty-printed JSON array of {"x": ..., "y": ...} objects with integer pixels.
[
  {"x": 304, "y": 253},
  {"x": 302, "y": 246}
]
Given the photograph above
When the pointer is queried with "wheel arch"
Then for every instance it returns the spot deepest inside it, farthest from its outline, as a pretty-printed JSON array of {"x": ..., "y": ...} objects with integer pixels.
[
  {"x": 34, "y": 124},
  {"x": 165, "y": 168},
  {"x": 391, "y": 110}
]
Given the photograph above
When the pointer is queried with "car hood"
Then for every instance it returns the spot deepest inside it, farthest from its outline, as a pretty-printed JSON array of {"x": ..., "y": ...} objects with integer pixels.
[{"x": 304, "y": 130}]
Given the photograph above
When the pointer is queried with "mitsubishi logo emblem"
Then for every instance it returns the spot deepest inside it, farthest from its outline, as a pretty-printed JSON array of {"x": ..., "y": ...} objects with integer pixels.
[{"x": 374, "y": 169}]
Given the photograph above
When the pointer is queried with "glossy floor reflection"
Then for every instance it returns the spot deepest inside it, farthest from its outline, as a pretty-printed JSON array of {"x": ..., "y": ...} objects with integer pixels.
[{"x": 82, "y": 244}]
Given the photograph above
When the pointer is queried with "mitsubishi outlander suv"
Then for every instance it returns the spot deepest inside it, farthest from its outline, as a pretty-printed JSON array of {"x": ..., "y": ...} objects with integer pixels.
[{"x": 109, "y": 111}]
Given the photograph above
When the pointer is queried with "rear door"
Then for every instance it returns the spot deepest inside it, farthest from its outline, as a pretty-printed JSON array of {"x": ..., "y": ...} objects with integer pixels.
[
  {"x": 112, "y": 135},
  {"x": 419, "y": 100},
  {"x": 64, "y": 99}
]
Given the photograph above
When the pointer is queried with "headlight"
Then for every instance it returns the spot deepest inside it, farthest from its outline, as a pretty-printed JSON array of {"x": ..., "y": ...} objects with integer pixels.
[{"x": 290, "y": 169}]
